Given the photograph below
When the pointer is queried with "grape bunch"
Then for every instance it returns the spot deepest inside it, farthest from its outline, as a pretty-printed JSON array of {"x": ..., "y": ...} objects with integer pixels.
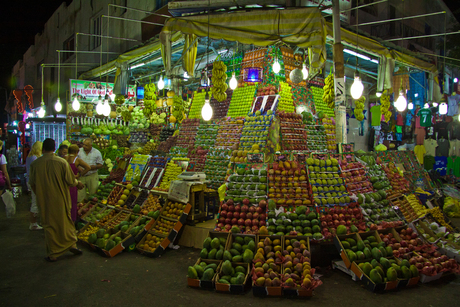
[
  {"x": 329, "y": 95},
  {"x": 385, "y": 105},
  {"x": 149, "y": 99},
  {"x": 219, "y": 78},
  {"x": 359, "y": 108}
]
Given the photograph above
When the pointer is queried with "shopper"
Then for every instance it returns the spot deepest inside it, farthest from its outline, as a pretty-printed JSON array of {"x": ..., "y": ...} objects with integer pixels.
[
  {"x": 4, "y": 177},
  {"x": 50, "y": 179},
  {"x": 34, "y": 153},
  {"x": 63, "y": 150},
  {"x": 76, "y": 164},
  {"x": 93, "y": 157}
]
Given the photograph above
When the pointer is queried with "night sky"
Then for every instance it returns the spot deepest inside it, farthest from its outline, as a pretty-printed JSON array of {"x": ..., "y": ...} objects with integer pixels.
[{"x": 21, "y": 20}]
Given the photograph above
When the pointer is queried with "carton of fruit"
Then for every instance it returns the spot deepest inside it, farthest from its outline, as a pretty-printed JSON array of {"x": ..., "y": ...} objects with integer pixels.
[
  {"x": 83, "y": 234},
  {"x": 141, "y": 230},
  {"x": 233, "y": 284},
  {"x": 152, "y": 244},
  {"x": 237, "y": 244},
  {"x": 202, "y": 280},
  {"x": 121, "y": 242},
  {"x": 208, "y": 245},
  {"x": 406, "y": 281},
  {"x": 369, "y": 283},
  {"x": 92, "y": 212},
  {"x": 346, "y": 252}
]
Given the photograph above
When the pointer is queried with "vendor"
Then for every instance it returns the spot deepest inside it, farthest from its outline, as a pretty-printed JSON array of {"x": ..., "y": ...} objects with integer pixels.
[{"x": 93, "y": 157}]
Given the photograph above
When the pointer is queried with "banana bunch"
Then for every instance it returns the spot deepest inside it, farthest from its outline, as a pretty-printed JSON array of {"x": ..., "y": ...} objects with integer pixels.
[
  {"x": 87, "y": 232},
  {"x": 385, "y": 105},
  {"x": 178, "y": 108},
  {"x": 219, "y": 78},
  {"x": 149, "y": 99},
  {"x": 419, "y": 209},
  {"x": 359, "y": 108},
  {"x": 329, "y": 95}
]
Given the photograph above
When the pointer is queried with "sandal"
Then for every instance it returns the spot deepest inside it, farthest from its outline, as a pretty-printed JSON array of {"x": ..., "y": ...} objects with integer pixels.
[
  {"x": 50, "y": 259},
  {"x": 75, "y": 251}
]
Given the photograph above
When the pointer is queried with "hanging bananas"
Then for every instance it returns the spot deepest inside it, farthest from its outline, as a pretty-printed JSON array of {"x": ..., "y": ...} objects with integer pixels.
[
  {"x": 329, "y": 95},
  {"x": 178, "y": 108},
  {"x": 359, "y": 108},
  {"x": 219, "y": 78},
  {"x": 385, "y": 105},
  {"x": 149, "y": 99}
]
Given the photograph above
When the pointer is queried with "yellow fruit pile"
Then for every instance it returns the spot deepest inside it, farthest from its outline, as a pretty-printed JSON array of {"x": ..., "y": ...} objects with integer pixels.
[
  {"x": 151, "y": 204},
  {"x": 419, "y": 209},
  {"x": 219, "y": 76},
  {"x": 151, "y": 243},
  {"x": 328, "y": 94},
  {"x": 439, "y": 216},
  {"x": 174, "y": 210},
  {"x": 239, "y": 156},
  {"x": 148, "y": 147},
  {"x": 163, "y": 226},
  {"x": 87, "y": 232},
  {"x": 359, "y": 108},
  {"x": 385, "y": 105},
  {"x": 171, "y": 173}
]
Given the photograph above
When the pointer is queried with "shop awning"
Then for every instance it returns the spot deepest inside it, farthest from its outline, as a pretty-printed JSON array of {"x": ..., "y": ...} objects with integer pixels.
[{"x": 303, "y": 27}]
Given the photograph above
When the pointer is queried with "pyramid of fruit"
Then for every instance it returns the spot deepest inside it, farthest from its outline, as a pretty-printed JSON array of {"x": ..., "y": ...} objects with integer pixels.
[
  {"x": 286, "y": 102},
  {"x": 293, "y": 133},
  {"x": 316, "y": 137},
  {"x": 229, "y": 133},
  {"x": 327, "y": 186},
  {"x": 242, "y": 99},
  {"x": 249, "y": 182},
  {"x": 178, "y": 152},
  {"x": 255, "y": 131},
  {"x": 197, "y": 104},
  {"x": 354, "y": 175},
  {"x": 206, "y": 134},
  {"x": 216, "y": 166},
  {"x": 187, "y": 132},
  {"x": 320, "y": 105},
  {"x": 197, "y": 158},
  {"x": 220, "y": 108},
  {"x": 171, "y": 172}
]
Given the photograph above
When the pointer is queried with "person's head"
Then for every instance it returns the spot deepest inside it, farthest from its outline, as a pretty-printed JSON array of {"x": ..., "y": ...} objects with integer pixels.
[
  {"x": 62, "y": 150},
  {"x": 36, "y": 149},
  {"x": 87, "y": 145},
  {"x": 49, "y": 145},
  {"x": 73, "y": 149}
]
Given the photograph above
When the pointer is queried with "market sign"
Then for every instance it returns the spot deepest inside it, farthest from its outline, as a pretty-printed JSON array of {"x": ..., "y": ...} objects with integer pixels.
[{"x": 89, "y": 91}]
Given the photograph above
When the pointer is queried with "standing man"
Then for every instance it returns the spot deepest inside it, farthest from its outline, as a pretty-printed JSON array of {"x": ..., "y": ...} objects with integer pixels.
[
  {"x": 50, "y": 179},
  {"x": 93, "y": 157},
  {"x": 63, "y": 150}
]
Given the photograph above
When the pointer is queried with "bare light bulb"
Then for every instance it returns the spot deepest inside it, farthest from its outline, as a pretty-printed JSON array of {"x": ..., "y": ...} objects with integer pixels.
[
  {"x": 410, "y": 106},
  {"x": 443, "y": 108},
  {"x": 99, "y": 106},
  {"x": 401, "y": 103},
  {"x": 76, "y": 104},
  {"x": 58, "y": 105},
  {"x": 106, "y": 108},
  {"x": 357, "y": 87},
  {"x": 41, "y": 111},
  {"x": 378, "y": 94},
  {"x": 276, "y": 66},
  {"x": 304, "y": 72},
  {"x": 233, "y": 82},
  {"x": 206, "y": 111},
  {"x": 161, "y": 83},
  {"x": 435, "y": 104}
]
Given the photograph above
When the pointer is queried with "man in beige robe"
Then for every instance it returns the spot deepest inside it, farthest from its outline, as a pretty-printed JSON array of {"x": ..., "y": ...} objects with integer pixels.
[{"x": 50, "y": 178}]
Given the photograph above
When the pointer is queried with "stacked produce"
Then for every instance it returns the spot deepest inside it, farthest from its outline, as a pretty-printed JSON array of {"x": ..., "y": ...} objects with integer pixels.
[
  {"x": 294, "y": 136},
  {"x": 171, "y": 172},
  {"x": 216, "y": 167},
  {"x": 359, "y": 108},
  {"x": 242, "y": 249},
  {"x": 93, "y": 216},
  {"x": 214, "y": 248},
  {"x": 89, "y": 231},
  {"x": 303, "y": 96},
  {"x": 165, "y": 133},
  {"x": 328, "y": 94},
  {"x": 229, "y": 132},
  {"x": 231, "y": 274},
  {"x": 380, "y": 213},
  {"x": 203, "y": 271},
  {"x": 152, "y": 206},
  {"x": 197, "y": 158},
  {"x": 329, "y": 126},
  {"x": 285, "y": 102},
  {"x": 178, "y": 152},
  {"x": 219, "y": 86},
  {"x": 265, "y": 90},
  {"x": 220, "y": 109},
  {"x": 206, "y": 135},
  {"x": 417, "y": 207},
  {"x": 165, "y": 146},
  {"x": 354, "y": 176},
  {"x": 106, "y": 216},
  {"x": 120, "y": 217},
  {"x": 187, "y": 132},
  {"x": 320, "y": 105},
  {"x": 163, "y": 226},
  {"x": 327, "y": 186},
  {"x": 399, "y": 184},
  {"x": 255, "y": 132},
  {"x": 155, "y": 130},
  {"x": 150, "y": 243},
  {"x": 241, "y": 217},
  {"x": 178, "y": 110},
  {"x": 288, "y": 184},
  {"x": 267, "y": 263},
  {"x": 241, "y": 102},
  {"x": 385, "y": 105},
  {"x": 301, "y": 221},
  {"x": 83, "y": 208},
  {"x": 403, "y": 243},
  {"x": 341, "y": 220},
  {"x": 197, "y": 105},
  {"x": 248, "y": 182},
  {"x": 316, "y": 137}
]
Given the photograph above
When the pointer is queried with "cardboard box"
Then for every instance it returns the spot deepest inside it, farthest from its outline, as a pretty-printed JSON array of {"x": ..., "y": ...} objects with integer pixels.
[
  {"x": 205, "y": 284},
  {"x": 127, "y": 240},
  {"x": 232, "y": 237},
  {"x": 86, "y": 242},
  {"x": 338, "y": 244},
  {"x": 263, "y": 290},
  {"x": 218, "y": 234},
  {"x": 235, "y": 289},
  {"x": 369, "y": 284},
  {"x": 402, "y": 283},
  {"x": 158, "y": 251}
]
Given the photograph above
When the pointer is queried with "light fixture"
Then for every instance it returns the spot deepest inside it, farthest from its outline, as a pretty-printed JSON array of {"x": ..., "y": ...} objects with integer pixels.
[
  {"x": 304, "y": 71},
  {"x": 233, "y": 82},
  {"x": 357, "y": 87},
  {"x": 161, "y": 83},
  {"x": 378, "y": 94},
  {"x": 401, "y": 102},
  {"x": 426, "y": 106},
  {"x": 206, "y": 111},
  {"x": 41, "y": 111},
  {"x": 276, "y": 66},
  {"x": 455, "y": 80},
  {"x": 410, "y": 106},
  {"x": 443, "y": 108},
  {"x": 58, "y": 105},
  {"x": 435, "y": 104},
  {"x": 459, "y": 117},
  {"x": 27, "y": 126},
  {"x": 186, "y": 75},
  {"x": 99, "y": 106},
  {"x": 76, "y": 104},
  {"x": 416, "y": 95},
  {"x": 106, "y": 106}
]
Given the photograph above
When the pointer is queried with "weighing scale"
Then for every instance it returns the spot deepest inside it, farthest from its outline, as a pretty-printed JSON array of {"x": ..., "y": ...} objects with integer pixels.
[{"x": 192, "y": 176}]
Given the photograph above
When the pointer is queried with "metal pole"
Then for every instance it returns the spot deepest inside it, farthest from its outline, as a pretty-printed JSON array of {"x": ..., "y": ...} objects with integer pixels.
[
  {"x": 364, "y": 5},
  {"x": 421, "y": 36},
  {"x": 137, "y": 10},
  {"x": 86, "y": 51},
  {"x": 140, "y": 21},
  {"x": 111, "y": 37},
  {"x": 339, "y": 80},
  {"x": 399, "y": 19}
]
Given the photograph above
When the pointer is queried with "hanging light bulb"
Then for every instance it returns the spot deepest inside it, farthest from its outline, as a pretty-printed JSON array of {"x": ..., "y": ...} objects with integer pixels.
[
  {"x": 206, "y": 111},
  {"x": 426, "y": 106},
  {"x": 76, "y": 104},
  {"x": 58, "y": 105},
  {"x": 106, "y": 108},
  {"x": 276, "y": 66},
  {"x": 161, "y": 83},
  {"x": 357, "y": 87},
  {"x": 304, "y": 71},
  {"x": 410, "y": 106},
  {"x": 455, "y": 80},
  {"x": 435, "y": 104},
  {"x": 233, "y": 82},
  {"x": 99, "y": 106},
  {"x": 401, "y": 103},
  {"x": 41, "y": 111},
  {"x": 443, "y": 108},
  {"x": 378, "y": 94},
  {"x": 185, "y": 76},
  {"x": 459, "y": 117}
]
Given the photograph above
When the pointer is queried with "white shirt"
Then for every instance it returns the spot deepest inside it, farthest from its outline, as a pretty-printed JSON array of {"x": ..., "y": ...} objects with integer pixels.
[
  {"x": 2, "y": 160},
  {"x": 452, "y": 103},
  {"x": 94, "y": 157}
]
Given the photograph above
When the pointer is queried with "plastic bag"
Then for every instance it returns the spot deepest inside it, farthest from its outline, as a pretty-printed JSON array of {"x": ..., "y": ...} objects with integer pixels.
[
  {"x": 221, "y": 190},
  {"x": 380, "y": 147},
  {"x": 10, "y": 204}
]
